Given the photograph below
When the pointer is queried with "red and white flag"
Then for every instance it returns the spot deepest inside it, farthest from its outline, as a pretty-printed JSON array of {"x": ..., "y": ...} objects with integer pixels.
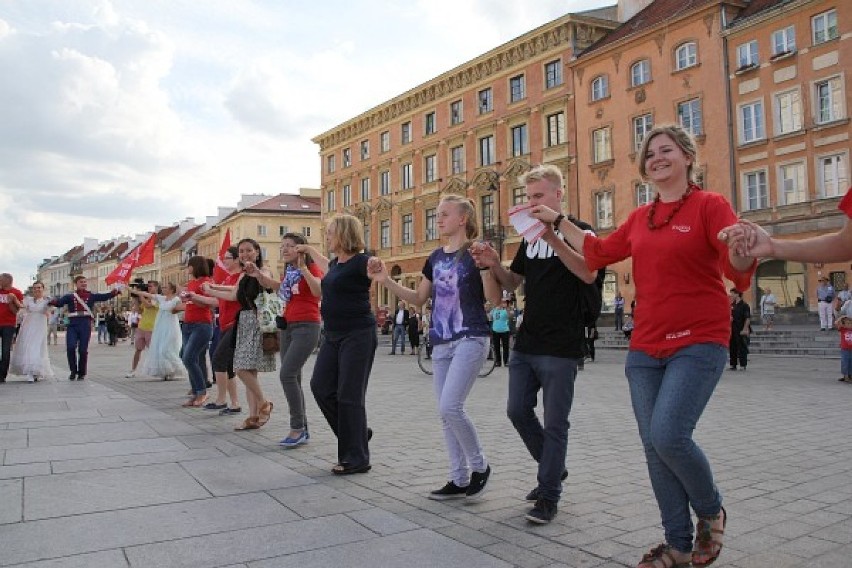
[
  {"x": 219, "y": 271},
  {"x": 140, "y": 256}
]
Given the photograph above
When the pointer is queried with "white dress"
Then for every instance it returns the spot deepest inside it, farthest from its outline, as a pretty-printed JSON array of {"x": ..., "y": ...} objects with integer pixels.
[
  {"x": 30, "y": 355},
  {"x": 163, "y": 358}
]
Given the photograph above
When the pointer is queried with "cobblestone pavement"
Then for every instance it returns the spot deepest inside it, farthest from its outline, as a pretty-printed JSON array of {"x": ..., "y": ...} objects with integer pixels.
[{"x": 112, "y": 472}]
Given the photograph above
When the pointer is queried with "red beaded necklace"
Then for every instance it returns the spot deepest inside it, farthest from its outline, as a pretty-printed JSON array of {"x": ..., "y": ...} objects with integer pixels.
[{"x": 653, "y": 210}]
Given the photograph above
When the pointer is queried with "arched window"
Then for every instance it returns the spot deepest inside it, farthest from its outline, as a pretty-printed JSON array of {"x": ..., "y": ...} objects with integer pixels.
[
  {"x": 600, "y": 87},
  {"x": 640, "y": 73},
  {"x": 686, "y": 55}
]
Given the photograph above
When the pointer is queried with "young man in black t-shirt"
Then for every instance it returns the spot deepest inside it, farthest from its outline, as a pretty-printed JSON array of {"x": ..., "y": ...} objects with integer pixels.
[{"x": 549, "y": 342}]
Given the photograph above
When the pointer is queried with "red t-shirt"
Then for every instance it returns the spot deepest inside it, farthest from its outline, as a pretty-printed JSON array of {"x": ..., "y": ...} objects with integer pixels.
[
  {"x": 7, "y": 316},
  {"x": 228, "y": 309},
  {"x": 846, "y": 203},
  {"x": 846, "y": 338},
  {"x": 681, "y": 298},
  {"x": 303, "y": 305},
  {"x": 197, "y": 313}
]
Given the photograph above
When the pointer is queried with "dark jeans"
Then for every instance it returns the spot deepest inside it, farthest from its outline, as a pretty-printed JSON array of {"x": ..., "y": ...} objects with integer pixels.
[
  {"x": 738, "y": 350},
  {"x": 619, "y": 319},
  {"x": 196, "y": 341},
  {"x": 500, "y": 340},
  {"x": 547, "y": 444},
  {"x": 77, "y": 344},
  {"x": 339, "y": 384},
  {"x": 7, "y": 334}
]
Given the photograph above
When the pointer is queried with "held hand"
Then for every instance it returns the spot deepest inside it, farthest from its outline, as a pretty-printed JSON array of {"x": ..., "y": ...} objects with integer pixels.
[
  {"x": 303, "y": 249},
  {"x": 205, "y": 287},
  {"x": 376, "y": 270},
  {"x": 544, "y": 214},
  {"x": 251, "y": 269},
  {"x": 484, "y": 255},
  {"x": 744, "y": 332},
  {"x": 301, "y": 261}
]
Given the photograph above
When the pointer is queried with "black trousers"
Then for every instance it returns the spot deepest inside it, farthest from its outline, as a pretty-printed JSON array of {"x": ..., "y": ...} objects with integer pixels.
[
  {"x": 339, "y": 384},
  {"x": 7, "y": 334},
  {"x": 500, "y": 340},
  {"x": 738, "y": 349}
]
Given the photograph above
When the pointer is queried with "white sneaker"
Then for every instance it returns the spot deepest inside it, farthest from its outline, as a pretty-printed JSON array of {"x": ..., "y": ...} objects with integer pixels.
[{"x": 130, "y": 375}]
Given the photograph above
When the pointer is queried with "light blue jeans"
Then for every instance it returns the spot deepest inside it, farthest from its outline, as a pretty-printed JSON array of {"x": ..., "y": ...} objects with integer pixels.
[
  {"x": 669, "y": 396},
  {"x": 399, "y": 333},
  {"x": 456, "y": 365}
]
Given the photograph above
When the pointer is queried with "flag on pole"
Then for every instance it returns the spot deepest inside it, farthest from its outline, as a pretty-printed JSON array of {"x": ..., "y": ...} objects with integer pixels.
[
  {"x": 219, "y": 271},
  {"x": 141, "y": 255}
]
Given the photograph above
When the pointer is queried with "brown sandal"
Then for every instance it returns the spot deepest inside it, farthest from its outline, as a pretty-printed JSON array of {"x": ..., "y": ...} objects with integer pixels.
[
  {"x": 249, "y": 423},
  {"x": 661, "y": 557},
  {"x": 264, "y": 413},
  {"x": 708, "y": 544}
]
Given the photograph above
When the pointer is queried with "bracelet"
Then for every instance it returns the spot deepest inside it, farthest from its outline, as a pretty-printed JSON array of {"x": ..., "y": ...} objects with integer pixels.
[
  {"x": 483, "y": 268},
  {"x": 557, "y": 221}
]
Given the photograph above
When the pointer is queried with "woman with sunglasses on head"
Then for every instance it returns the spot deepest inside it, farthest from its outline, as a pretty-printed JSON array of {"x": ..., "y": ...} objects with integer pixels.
[{"x": 249, "y": 357}]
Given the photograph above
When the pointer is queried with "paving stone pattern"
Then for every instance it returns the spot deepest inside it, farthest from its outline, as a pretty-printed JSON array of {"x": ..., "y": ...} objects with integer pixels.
[{"x": 111, "y": 472}]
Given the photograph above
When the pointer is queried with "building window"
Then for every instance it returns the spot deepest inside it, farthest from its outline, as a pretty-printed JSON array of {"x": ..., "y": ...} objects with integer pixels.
[
  {"x": 519, "y": 195},
  {"x": 365, "y": 189},
  {"x": 824, "y": 26},
  {"x": 640, "y": 73},
  {"x": 330, "y": 164},
  {"x": 788, "y": 112},
  {"x": 282, "y": 230},
  {"x": 689, "y": 116},
  {"x": 384, "y": 141},
  {"x": 600, "y": 87},
  {"x": 407, "y": 224},
  {"x": 751, "y": 122},
  {"x": 603, "y": 209},
  {"x": 384, "y": 182},
  {"x": 347, "y": 157},
  {"x": 384, "y": 233},
  {"x": 367, "y": 236},
  {"x": 306, "y": 231},
  {"x": 261, "y": 230},
  {"x": 347, "y": 195},
  {"x": 429, "y": 166},
  {"x": 486, "y": 151},
  {"x": 828, "y": 98},
  {"x": 405, "y": 133},
  {"x": 833, "y": 173},
  {"x": 457, "y": 159},
  {"x": 755, "y": 193},
  {"x": 784, "y": 41},
  {"x": 747, "y": 55},
  {"x": 431, "y": 226},
  {"x": 792, "y": 178},
  {"x": 555, "y": 129},
  {"x": 686, "y": 55},
  {"x": 520, "y": 141},
  {"x": 552, "y": 74},
  {"x": 365, "y": 150},
  {"x": 429, "y": 123},
  {"x": 407, "y": 176},
  {"x": 456, "y": 114},
  {"x": 517, "y": 88},
  {"x": 642, "y": 125},
  {"x": 487, "y": 201},
  {"x": 330, "y": 204},
  {"x": 601, "y": 146},
  {"x": 644, "y": 195},
  {"x": 486, "y": 100}
]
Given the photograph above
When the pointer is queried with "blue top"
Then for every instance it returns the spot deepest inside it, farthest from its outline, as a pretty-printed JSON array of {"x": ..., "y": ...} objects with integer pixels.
[
  {"x": 499, "y": 320},
  {"x": 69, "y": 301},
  {"x": 458, "y": 300},
  {"x": 346, "y": 295}
]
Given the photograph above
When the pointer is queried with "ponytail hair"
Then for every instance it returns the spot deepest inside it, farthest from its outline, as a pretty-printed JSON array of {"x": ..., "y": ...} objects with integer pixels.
[{"x": 466, "y": 208}]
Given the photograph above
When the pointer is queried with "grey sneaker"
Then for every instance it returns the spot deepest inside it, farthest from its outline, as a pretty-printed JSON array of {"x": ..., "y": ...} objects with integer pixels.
[
  {"x": 448, "y": 491},
  {"x": 543, "y": 512},
  {"x": 478, "y": 482}
]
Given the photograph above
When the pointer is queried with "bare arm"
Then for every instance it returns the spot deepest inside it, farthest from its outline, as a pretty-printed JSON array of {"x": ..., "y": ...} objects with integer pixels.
[
  {"x": 485, "y": 256},
  {"x": 572, "y": 260},
  {"x": 378, "y": 272},
  {"x": 313, "y": 282},
  {"x": 750, "y": 239},
  {"x": 228, "y": 293},
  {"x": 493, "y": 290},
  {"x": 316, "y": 255}
]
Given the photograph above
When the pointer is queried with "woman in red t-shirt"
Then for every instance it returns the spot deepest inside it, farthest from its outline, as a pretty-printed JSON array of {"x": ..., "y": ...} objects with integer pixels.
[
  {"x": 197, "y": 330},
  {"x": 300, "y": 288},
  {"x": 677, "y": 353}
]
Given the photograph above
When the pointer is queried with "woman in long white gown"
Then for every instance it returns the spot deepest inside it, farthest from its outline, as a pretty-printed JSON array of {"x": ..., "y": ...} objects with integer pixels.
[
  {"x": 163, "y": 358},
  {"x": 30, "y": 356}
]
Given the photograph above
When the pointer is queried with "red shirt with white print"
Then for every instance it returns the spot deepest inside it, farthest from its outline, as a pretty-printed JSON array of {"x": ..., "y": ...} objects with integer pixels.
[
  {"x": 846, "y": 338},
  {"x": 9, "y": 318},
  {"x": 197, "y": 313},
  {"x": 681, "y": 298},
  {"x": 846, "y": 203}
]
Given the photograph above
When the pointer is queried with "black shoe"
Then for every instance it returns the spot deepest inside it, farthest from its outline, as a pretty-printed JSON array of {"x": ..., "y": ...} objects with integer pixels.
[
  {"x": 478, "y": 481},
  {"x": 535, "y": 494},
  {"x": 732, "y": 368},
  {"x": 209, "y": 385},
  {"x": 72, "y": 376},
  {"x": 81, "y": 377},
  {"x": 448, "y": 491},
  {"x": 369, "y": 434},
  {"x": 230, "y": 411},
  {"x": 498, "y": 364},
  {"x": 543, "y": 512}
]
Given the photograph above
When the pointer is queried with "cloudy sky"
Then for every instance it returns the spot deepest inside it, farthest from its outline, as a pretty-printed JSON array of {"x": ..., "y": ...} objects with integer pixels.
[{"x": 119, "y": 115}]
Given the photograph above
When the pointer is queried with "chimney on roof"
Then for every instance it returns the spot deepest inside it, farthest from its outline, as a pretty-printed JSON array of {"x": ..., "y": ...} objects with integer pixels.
[
  {"x": 309, "y": 192},
  {"x": 249, "y": 199},
  {"x": 224, "y": 212},
  {"x": 89, "y": 244},
  {"x": 186, "y": 224},
  {"x": 629, "y": 8}
]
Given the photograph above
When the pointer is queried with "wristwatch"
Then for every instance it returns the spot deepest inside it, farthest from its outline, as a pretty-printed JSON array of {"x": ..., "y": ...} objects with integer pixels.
[{"x": 557, "y": 221}]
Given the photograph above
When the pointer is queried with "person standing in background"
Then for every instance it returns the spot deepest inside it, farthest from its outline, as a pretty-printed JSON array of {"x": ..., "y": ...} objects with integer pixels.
[
  {"x": 618, "y": 303},
  {"x": 500, "y": 331},
  {"x": 400, "y": 327},
  {"x": 10, "y": 299}
]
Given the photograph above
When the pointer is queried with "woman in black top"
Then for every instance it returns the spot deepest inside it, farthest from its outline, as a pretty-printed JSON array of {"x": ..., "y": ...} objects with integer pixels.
[{"x": 343, "y": 365}]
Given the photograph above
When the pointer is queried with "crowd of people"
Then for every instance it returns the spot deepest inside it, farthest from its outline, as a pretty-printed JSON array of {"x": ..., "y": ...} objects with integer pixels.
[{"x": 676, "y": 357}]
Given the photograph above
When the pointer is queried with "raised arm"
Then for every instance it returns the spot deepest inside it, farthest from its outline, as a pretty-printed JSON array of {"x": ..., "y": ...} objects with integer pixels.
[
  {"x": 486, "y": 256},
  {"x": 316, "y": 255},
  {"x": 378, "y": 272}
]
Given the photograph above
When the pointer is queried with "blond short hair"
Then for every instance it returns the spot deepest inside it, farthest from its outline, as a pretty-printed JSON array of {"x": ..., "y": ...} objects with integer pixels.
[
  {"x": 547, "y": 172},
  {"x": 348, "y": 232},
  {"x": 466, "y": 208},
  {"x": 682, "y": 140}
]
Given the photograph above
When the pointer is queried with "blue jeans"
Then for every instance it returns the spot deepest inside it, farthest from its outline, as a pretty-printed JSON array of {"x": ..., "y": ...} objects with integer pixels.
[
  {"x": 456, "y": 365},
  {"x": 547, "y": 444},
  {"x": 846, "y": 362},
  {"x": 398, "y": 334},
  {"x": 196, "y": 341},
  {"x": 668, "y": 397}
]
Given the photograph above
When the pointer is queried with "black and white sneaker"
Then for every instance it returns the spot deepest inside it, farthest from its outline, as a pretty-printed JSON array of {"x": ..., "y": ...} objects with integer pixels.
[
  {"x": 535, "y": 494},
  {"x": 543, "y": 512},
  {"x": 478, "y": 482},
  {"x": 448, "y": 491}
]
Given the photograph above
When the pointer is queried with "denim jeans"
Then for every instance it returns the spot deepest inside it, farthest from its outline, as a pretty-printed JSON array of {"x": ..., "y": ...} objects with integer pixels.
[
  {"x": 196, "y": 341},
  {"x": 297, "y": 343},
  {"x": 398, "y": 334},
  {"x": 547, "y": 444},
  {"x": 668, "y": 396},
  {"x": 456, "y": 365},
  {"x": 846, "y": 362}
]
